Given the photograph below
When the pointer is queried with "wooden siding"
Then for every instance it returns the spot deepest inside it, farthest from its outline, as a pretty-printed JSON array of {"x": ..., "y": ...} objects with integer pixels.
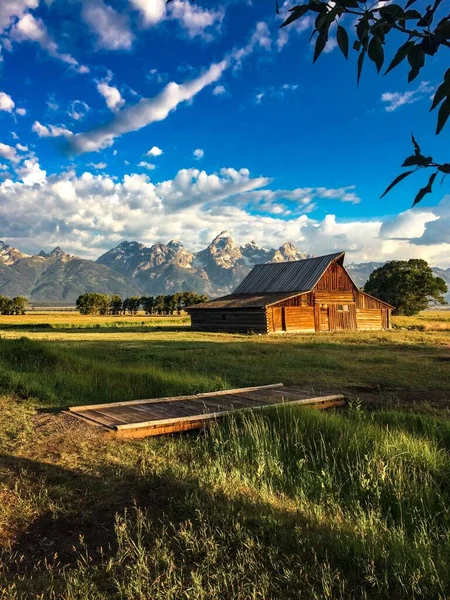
[
  {"x": 334, "y": 297},
  {"x": 299, "y": 318},
  {"x": 369, "y": 318},
  {"x": 335, "y": 278},
  {"x": 238, "y": 320}
]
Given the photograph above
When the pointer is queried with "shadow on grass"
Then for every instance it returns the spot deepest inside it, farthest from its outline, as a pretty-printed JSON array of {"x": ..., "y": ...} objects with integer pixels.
[{"x": 178, "y": 532}]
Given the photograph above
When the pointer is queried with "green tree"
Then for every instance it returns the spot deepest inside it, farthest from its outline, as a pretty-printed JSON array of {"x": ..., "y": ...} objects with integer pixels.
[
  {"x": 134, "y": 304},
  {"x": 116, "y": 304},
  {"x": 93, "y": 303},
  {"x": 19, "y": 304},
  {"x": 410, "y": 285},
  {"x": 160, "y": 304},
  {"x": 148, "y": 303},
  {"x": 6, "y": 305}
]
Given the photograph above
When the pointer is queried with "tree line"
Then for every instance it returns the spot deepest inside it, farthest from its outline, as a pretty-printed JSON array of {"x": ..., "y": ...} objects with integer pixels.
[
  {"x": 93, "y": 303},
  {"x": 13, "y": 306}
]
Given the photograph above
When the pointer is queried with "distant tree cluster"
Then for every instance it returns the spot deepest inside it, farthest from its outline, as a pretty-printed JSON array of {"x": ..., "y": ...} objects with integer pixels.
[
  {"x": 13, "y": 306},
  {"x": 409, "y": 285},
  {"x": 93, "y": 303}
]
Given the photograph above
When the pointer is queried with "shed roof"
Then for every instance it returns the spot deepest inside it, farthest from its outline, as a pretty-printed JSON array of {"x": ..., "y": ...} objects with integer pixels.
[
  {"x": 243, "y": 301},
  {"x": 295, "y": 276}
]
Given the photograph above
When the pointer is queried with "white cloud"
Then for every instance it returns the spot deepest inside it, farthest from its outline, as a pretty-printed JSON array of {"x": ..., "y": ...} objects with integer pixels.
[
  {"x": 395, "y": 100},
  {"x": 98, "y": 166},
  {"x": 92, "y": 213},
  {"x": 219, "y": 90},
  {"x": 198, "y": 153},
  {"x": 111, "y": 28},
  {"x": 276, "y": 92},
  {"x": 259, "y": 39},
  {"x": 295, "y": 28},
  {"x": 6, "y": 102},
  {"x": 194, "y": 20},
  {"x": 9, "y": 153},
  {"x": 31, "y": 173},
  {"x": 152, "y": 12},
  {"x": 155, "y": 75},
  {"x": 10, "y": 10},
  {"x": 22, "y": 148},
  {"x": 50, "y": 130},
  {"x": 78, "y": 109},
  {"x": 154, "y": 151},
  {"x": 111, "y": 95},
  {"x": 146, "y": 165},
  {"x": 21, "y": 112},
  {"x": 146, "y": 111},
  {"x": 29, "y": 28}
]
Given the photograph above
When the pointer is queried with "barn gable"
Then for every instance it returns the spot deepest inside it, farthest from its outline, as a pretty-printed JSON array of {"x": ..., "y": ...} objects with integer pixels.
[{"x": 315, "y": 294}]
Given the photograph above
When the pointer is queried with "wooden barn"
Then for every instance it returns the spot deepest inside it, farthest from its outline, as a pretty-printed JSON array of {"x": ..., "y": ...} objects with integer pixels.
[{"x": 315, "y": 294}]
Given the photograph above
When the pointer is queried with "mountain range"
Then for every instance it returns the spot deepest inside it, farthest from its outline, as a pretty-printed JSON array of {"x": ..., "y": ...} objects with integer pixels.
[{"x": 134, "y": 269}]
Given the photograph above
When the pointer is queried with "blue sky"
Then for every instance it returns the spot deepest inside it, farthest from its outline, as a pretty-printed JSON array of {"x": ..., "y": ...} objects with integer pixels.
[{"x": 131, "y": 119}]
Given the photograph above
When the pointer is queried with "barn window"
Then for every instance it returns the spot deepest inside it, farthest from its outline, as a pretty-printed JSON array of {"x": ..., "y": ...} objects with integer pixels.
[
  {"x": 343, "y": 307},
  {"x": 224, "y": 317}
]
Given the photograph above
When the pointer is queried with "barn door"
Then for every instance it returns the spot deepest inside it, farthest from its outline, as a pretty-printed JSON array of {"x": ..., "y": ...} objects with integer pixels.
[
  {"x": 278, "y": 318},
  {"x": 324, "y": 319}
]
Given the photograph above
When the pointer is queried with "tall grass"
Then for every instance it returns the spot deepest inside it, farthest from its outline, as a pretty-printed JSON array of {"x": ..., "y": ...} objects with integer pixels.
[
  {"x": 57, "y": 377},
  {"x": 286, "y": 504}
]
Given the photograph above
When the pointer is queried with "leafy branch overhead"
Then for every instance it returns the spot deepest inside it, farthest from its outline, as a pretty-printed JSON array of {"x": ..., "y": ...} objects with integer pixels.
[{"x": 426, "y": 34}]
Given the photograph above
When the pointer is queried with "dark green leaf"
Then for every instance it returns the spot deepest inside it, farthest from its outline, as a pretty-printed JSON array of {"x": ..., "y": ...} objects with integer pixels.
[
  {"x": 425, "y": 190},
  {"x": 342, "y": 40},
  {"x": 297, "y": 13},
  {"x": 397, "y": 180},
  {"x": 442, "y": 92},
  {"x": 400, "y": 55},
  {"x": 321, "y": 42},
  {"x": 391, "y": 11},
  {"x": 443, "y": 30},
  {"x": 362, "y": 30},
  {"x": 416, "y": 145},
  {"x": 443, "y": 115},
  {"x": 411, "y": 14},
  {"x": 445, "y": 168},
  {"x": 415, "y": 161},
  {"x": 348, "y": 3},
  {"x": 376, "y": 52},
  {"x": 410, "y": 3},
  {"x": 416, "y": 58},
  {"x": 356, "y": 46}
]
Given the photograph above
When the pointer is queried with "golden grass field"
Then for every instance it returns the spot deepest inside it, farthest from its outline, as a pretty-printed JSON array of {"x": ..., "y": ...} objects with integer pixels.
[{"x": 283, "y": 505}]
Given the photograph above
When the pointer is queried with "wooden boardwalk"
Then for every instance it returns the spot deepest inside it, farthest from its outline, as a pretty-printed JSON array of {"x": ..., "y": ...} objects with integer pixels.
[{"x": 142, "y": 418}]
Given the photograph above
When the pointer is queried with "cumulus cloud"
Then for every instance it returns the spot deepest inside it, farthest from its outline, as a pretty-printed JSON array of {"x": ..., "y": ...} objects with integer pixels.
[
  {"x": 146, "y": 111},
  {"x": 11, "y": 10},
  {"x": 111, "y": 28},
  {"x": 89, "y": 214},
  {"x": 21, "y": 112},
  {"x": 78, "y": 109},
  {"x": 9, "y": 153},
  {"x": 44, "y": 131},
  {"x": 146, "y": 165},
  {"x": 394, "y": 100},
  {"x": 154, "y": 151},
  {"x": 198, "y": 153},
  {"x": 219, "y": 90},
  {"x": 194, "y": 20},
  {"x": 30, "y": 28},
  {"x": 98, "y": 166},
  {"x": 111, "y": 95},
  {"x": 6, "y": 102}
]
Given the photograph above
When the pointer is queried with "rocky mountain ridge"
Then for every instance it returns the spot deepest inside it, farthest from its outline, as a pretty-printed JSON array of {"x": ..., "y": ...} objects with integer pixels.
[{"x": 131, "y": 268}]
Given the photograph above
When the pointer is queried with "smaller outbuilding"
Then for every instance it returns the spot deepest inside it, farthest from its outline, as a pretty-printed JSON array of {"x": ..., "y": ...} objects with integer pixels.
[{"x": 315, "y": 294}]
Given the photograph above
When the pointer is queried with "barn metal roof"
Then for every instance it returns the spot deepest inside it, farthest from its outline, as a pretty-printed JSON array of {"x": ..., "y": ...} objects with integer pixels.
[
  {"x": 243, "y": 301},
  {"x": 295, "y": 276}
]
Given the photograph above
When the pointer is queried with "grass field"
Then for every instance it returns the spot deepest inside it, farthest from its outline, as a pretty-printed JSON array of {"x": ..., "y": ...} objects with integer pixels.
[{"x": 291, "y": 503}]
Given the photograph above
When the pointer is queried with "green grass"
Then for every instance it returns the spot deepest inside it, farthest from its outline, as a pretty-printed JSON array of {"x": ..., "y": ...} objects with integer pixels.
[{"x": 284, "y": 504}]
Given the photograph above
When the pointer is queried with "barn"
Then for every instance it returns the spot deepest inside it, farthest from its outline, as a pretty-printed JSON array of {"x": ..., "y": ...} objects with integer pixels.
[{"x": 315, "y": 294}]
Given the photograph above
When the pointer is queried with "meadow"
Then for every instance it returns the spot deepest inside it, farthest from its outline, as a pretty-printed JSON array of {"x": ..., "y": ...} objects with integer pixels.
[{"x": 289, "y": 503}]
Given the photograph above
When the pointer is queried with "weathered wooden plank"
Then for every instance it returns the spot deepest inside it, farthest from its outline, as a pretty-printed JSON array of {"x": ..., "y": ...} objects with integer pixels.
[
  {"x": 209, "y": 416},
  {"x": 173, "y": 398}
]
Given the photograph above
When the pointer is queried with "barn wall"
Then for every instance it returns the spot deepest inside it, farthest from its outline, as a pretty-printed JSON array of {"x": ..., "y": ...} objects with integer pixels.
[
  {"x": 335, "y": 278},
  {"x": 238, "y": 320},
  {"x": 369, "y": 318}
]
